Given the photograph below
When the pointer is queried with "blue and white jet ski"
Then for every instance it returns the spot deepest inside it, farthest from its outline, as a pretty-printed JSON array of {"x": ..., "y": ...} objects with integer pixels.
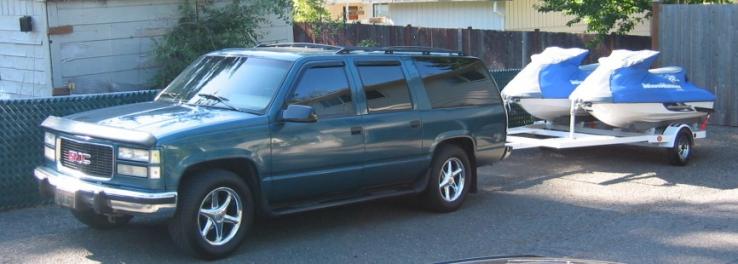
[
  {"x": 543, "y": 87},
  {"x": 623, "y": 92}
]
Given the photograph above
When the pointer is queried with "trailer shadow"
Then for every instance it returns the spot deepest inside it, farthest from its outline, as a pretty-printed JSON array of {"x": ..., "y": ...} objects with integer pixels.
[{"x": 712, "y": 164}]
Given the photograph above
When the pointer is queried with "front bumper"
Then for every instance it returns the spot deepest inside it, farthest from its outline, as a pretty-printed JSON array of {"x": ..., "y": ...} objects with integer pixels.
[{"x": 104, "y": 199}]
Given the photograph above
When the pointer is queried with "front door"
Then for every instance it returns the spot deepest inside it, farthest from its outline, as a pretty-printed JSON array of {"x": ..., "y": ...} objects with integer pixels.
[{"x": 323, "y": 158}]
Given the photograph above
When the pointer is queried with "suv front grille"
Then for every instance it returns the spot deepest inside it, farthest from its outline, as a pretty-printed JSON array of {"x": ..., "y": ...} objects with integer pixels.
[{"x": 91, "y": 159}]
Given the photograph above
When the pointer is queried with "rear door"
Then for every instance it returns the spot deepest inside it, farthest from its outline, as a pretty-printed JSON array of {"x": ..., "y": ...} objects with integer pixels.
[{"x": 392, "y": 129}]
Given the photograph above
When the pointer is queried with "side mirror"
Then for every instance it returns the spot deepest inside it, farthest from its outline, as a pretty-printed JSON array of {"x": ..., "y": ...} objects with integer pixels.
[{"x": 299, "y": 113}]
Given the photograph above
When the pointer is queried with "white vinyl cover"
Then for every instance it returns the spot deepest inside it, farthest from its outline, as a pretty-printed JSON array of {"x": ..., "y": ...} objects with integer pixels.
[
  {"x": 596, "y": 87},
  {"x": 526, "y": 83}
]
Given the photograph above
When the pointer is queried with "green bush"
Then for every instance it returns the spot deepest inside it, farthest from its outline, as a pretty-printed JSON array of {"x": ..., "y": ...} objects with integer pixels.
[{"x": 207, "y": 26}]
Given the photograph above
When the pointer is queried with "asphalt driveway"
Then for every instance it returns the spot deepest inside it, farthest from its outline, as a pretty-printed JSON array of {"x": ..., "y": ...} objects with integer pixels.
[{"x": 617, "y": 203}]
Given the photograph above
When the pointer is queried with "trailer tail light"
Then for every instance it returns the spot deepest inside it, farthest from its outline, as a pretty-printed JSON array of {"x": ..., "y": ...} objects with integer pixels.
[{"x": 703, "y": 126}]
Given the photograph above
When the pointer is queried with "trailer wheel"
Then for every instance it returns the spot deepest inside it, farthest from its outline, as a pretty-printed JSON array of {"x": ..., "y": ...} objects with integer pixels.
[{"x": 681, "y": 152}]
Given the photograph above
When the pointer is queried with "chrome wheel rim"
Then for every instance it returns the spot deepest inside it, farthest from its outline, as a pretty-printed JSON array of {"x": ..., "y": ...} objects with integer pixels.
[
  {"x": 684, "y": 148},
  {"x": 451, "y": 180},
  {"x": 220, "y": 216}
]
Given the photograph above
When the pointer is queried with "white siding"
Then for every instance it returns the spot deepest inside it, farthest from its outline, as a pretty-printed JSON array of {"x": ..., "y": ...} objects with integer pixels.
[
  {"x": 111, "y": 46},
  {"x": 475, "y": 14},
  {"x": 24, "y": 56},
  {"x": 521, "y": 15}
]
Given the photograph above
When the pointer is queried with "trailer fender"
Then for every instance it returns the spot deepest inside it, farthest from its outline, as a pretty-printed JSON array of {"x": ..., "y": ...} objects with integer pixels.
[{"x": 670, "y": 134}]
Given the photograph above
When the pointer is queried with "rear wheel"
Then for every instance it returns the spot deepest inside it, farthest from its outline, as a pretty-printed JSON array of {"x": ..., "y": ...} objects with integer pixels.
[
  {"x": 681, "y": 152},
  {"x": 449, "y": 180},
  {"x": 100, "y": 221},
  {"x": 214, "y": 213}
]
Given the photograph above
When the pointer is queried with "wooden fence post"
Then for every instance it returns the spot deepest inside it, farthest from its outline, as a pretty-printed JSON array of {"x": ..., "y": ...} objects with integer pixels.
[{"x": 655, "y": 18}]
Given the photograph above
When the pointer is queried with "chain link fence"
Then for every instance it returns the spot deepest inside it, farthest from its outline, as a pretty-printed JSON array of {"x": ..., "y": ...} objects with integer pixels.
[{"x": 21, "y": 140}]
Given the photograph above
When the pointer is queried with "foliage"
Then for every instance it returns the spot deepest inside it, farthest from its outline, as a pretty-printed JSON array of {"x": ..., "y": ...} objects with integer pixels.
[
  {"x": 207, "y": 26},
  {"x": 368, "y": 43},
  {"x": 310, "y": 11},
  {"x": 313, "y": 12},
  {"x": 609, "y": 16}
]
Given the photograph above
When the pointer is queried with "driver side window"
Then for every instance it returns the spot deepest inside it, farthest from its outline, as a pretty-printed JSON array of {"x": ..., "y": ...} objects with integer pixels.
[{"x": 326, "y": 89}]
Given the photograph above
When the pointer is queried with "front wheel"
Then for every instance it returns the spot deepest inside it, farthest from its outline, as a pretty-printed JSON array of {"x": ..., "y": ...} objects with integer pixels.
[
  {"x": 450, "y": 177},
  {"x": 213, "y": 214}
]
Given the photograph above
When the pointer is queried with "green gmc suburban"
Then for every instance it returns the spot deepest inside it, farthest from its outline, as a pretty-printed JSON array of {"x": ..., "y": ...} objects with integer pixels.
[{"x": 279, "y": 129}]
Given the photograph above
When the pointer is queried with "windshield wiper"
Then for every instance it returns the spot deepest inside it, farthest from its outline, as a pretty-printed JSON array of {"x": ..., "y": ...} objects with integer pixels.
[{"x": 218, "y": 99}]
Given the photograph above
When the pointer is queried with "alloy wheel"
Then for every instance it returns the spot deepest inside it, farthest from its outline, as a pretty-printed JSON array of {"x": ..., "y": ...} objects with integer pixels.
[
  {"x": 220, "y": 216},
  {"x": 451, "y": 181}
]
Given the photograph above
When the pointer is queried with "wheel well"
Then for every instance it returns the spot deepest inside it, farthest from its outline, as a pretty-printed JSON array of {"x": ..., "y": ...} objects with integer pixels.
[
  {"x": 468, "y": 146},
  {"x": 243, "y": 167}
]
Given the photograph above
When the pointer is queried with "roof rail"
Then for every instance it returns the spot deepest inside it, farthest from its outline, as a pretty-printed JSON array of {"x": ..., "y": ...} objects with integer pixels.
[
  {"x": 393, "y": 49},
  {"x": 306, "y": 45}
]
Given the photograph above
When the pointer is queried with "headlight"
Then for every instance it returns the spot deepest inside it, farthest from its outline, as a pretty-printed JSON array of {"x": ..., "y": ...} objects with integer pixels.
[
  {"x": 142, "y": 155},
  {"x": 132, "y": 170},
  {"x": 49, "y": 139},
  {"x": 50, "y": 153}
]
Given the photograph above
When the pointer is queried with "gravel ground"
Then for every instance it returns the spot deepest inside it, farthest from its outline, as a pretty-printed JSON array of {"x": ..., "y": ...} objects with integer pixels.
[{"x": 617, "y": 203}]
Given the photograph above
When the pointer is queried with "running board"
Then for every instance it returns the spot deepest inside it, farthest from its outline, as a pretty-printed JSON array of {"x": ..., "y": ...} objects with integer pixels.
[{"x": 297, "y": 208}]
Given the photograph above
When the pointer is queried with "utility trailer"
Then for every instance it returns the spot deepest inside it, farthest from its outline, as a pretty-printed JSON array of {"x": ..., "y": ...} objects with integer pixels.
[{"x": 676, "y": 138}]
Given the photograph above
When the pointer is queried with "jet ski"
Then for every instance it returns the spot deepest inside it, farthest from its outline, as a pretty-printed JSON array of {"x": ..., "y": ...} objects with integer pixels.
[
  {"x": 543, "y": 87},
  {"x": 623, "y": 92}
]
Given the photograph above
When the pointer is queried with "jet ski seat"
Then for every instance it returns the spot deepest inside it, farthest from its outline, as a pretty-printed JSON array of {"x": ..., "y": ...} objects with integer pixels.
[{"x": 667, "y": 70}]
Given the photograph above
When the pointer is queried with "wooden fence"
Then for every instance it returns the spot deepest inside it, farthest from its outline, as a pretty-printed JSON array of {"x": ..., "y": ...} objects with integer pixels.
[
  {"x": 499, "y": 49},
  {"x": 702, "y": 39}
]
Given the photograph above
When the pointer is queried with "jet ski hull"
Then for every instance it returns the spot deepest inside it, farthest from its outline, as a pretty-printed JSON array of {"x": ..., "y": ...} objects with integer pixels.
[
  {"x": 648, "y": 115},
  {"x": 546, "y": 109}
]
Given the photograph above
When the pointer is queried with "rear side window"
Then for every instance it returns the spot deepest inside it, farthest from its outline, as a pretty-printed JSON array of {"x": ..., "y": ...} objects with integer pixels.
[
  {"x": 456, "y": 82},
  {"x": 385, "y": 87},
  {"x": 326, "y": 89}
]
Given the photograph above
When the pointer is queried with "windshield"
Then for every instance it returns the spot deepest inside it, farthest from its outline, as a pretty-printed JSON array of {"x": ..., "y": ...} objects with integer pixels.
[{"x": 242, "y": 83}]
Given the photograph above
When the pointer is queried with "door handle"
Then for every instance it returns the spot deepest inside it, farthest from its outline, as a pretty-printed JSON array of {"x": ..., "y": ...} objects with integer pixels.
[
  {"x": 356, "y": 130},
  {"x": 415, "y": 123}
]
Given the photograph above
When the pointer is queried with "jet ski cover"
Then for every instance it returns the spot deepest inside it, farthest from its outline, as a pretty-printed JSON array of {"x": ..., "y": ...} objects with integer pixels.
[
  {"x": 554, "y": 73},
  {"x": 624, "y": 77}
]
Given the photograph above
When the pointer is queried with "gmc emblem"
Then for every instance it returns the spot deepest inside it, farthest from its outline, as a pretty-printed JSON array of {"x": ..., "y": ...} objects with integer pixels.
[{"x": 78, "y": 157}]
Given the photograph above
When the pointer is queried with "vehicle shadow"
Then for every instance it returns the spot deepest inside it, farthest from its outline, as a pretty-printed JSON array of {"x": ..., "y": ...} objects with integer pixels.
[{"x": 391, "y": 231}]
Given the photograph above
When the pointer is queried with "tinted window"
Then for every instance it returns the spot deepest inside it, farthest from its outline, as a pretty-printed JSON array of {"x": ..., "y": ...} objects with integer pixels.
[
  {"x": 246, "y": 83},
  {"x": 385, "y": 88},
  {"x": 326, "y": 89},
  {"x": 456, "y": 82}
]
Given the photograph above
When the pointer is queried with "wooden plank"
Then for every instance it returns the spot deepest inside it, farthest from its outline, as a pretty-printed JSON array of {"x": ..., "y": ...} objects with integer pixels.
[
  {"x": 9, "y": 23},
  {"x": 118, "y": 14},
  {"x": 23, "y": 63},
  {"x": 99, "y": 65},
  {"x": 21, "y": 75},
  {"x": 70, "y": 51}
]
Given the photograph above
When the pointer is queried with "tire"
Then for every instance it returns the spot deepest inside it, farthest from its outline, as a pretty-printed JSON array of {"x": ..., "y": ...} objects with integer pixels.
[
  {"x": 100, "y": 221},
  {"x": 683, "y": 148},
  {"x": 435, "y": 197},
  {"x": 196, "y": 211}
]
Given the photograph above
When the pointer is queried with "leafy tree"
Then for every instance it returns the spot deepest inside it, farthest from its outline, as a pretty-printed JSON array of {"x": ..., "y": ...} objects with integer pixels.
[
  {"x": 310, "y": 11},
  {"x": 609, "y": 16},
  {"x": 205, "y": 26}
]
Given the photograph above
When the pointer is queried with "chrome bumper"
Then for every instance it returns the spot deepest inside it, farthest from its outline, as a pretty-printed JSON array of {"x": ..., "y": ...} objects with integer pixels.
[{"x": 104, "y": 199}]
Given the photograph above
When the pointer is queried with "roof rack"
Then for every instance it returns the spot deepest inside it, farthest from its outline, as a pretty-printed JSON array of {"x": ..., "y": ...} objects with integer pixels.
[
  {"x": 299, "y": 45},
  {"x": 404, "y": 49}
]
